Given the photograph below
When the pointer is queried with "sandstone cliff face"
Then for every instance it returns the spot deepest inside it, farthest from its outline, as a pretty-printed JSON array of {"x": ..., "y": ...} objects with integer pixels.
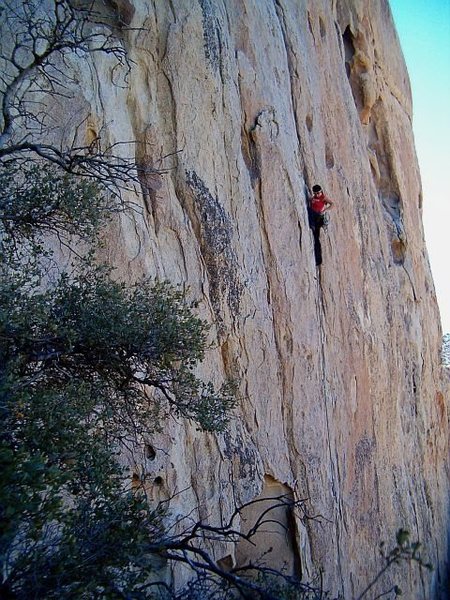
[{"x": 252, "y": 102}]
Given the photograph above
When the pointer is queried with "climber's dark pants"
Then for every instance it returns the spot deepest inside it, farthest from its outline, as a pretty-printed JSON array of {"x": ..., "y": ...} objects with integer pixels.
[
  {"x": 316, "y": 221},
  {"x": 317, "y": 246}
]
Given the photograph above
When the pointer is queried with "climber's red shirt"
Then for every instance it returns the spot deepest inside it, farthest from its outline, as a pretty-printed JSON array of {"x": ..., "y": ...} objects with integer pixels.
[{"x": 319, "y": 203}]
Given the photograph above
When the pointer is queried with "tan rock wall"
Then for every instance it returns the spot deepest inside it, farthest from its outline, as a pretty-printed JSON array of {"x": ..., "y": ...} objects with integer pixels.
[{"x": 252, "y": 102}]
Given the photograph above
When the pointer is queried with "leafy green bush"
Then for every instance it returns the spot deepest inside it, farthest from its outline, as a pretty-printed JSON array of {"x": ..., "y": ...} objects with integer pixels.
[
  {"x": 38, "y": 199},
  {"x": 87, "y": 364},
  {"x": 128, "y": 348}
]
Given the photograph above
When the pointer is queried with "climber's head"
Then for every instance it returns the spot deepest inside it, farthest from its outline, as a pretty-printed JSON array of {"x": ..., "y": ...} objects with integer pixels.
[{"x": 316, "y": 189}]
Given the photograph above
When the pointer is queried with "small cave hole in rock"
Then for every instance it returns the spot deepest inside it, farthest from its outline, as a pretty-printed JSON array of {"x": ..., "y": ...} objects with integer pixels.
[
  {"x": 349, "y": 49},
  {"x": 309, "y": 122},
  {"x": 398, "y": 251},
  {"x": 158, "y": 480},
  {"x": 92, "y": 138},
  {"x": 225, "y": 563},
  {"x": 123, "y": 11},
  {"x": 323, "y": 31},
  {"x": 329, "y": 158},
  {"x": 349, "y": 46},
  {"x": 251, "y": 156},
  {"x": 150, "y": 452},
  {"x": 373, "y": 170}
]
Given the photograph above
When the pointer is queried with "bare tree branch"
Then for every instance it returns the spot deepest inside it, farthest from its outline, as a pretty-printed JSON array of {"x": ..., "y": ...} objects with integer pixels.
[{"x": 34, "y": 60}]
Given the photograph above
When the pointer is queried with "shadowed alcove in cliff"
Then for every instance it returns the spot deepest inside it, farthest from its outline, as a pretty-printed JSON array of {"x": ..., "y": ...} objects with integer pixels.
[
  {"x": 275, "y": 543},
  {"x": 349, "y": 48}
]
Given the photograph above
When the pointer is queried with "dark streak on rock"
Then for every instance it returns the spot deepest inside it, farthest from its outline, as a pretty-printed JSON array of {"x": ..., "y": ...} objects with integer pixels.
[
  {"x": 364, "y": 453},
  {"x": 211, "y": 35},
  {"x": 237, "y": 452},
  {"x": 216, "y": 233}
]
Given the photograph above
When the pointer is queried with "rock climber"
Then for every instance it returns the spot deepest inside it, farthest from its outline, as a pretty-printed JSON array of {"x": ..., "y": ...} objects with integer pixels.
[{"x": 319, "y": 204}]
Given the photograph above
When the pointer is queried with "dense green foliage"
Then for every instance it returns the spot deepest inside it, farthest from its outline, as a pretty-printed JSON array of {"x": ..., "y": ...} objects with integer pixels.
[
  {"x": 113, "y": 342},
  {"x": 36, "y": 198},
  {"x": 87, "y": 364}
]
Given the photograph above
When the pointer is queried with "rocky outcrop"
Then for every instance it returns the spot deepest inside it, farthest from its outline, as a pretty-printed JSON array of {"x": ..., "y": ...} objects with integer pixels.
[{"x": 242, "y": 106}]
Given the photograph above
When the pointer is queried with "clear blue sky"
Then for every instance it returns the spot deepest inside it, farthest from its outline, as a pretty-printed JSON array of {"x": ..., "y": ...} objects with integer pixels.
[{"x": 424, "y": 30}]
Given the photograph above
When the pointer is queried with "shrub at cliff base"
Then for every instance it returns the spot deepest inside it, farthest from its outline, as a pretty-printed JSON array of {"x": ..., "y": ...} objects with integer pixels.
[{"x": 88, "y": 365}]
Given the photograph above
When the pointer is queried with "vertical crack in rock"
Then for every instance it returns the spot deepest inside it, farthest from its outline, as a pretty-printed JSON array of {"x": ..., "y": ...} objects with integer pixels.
[
  {"x": 149, "y": 177},
  {"x": 263, "y": 135},
  {"x": 216, "y": 234},
  {"x": 279, "y": 11},
  {"x": 334, "y": 464},
  {"x": 251, "y": 155},
  {"x": 385, "y": 179},
  {"x": 310, "y": 26},
  {"x": 171, "y": 101},
  {"x": 293, "y": 74}
]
